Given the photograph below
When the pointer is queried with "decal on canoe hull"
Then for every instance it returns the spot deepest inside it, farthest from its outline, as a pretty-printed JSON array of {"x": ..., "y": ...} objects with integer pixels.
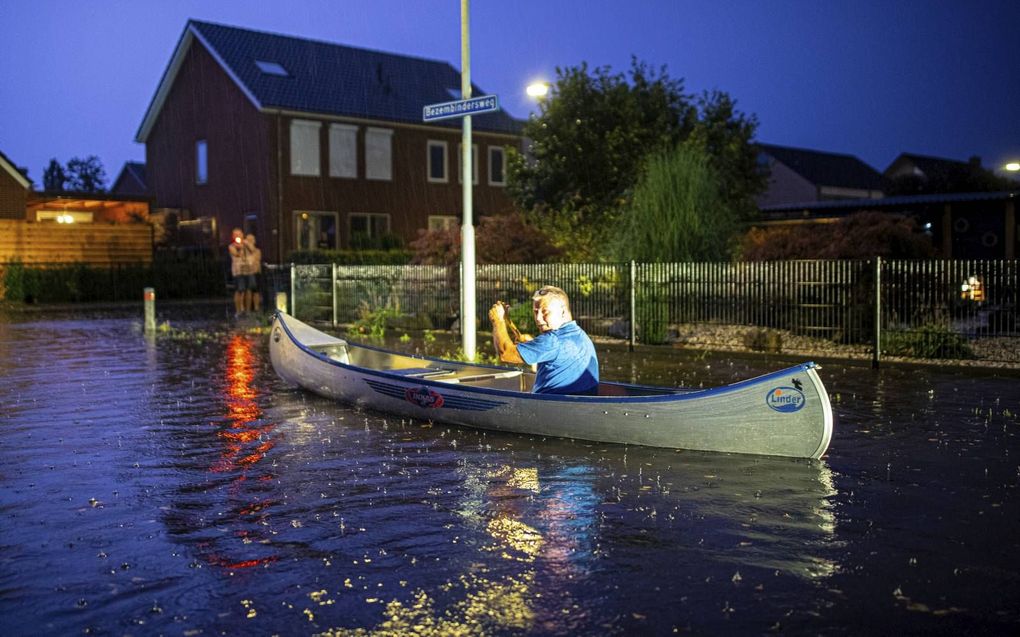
[
  {"x": 429, "y": 398},
  {"x": 785, "y": 399}
]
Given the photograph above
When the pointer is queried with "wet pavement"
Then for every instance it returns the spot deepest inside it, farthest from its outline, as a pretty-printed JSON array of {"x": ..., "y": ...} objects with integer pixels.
[{"x": 173, "y": 484}]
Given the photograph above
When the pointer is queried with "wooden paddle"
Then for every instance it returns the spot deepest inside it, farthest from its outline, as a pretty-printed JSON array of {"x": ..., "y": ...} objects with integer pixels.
[{"x": 515, "y": 333}]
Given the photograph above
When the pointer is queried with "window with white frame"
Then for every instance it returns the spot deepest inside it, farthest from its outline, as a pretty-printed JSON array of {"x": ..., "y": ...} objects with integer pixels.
[
  {"x": 443, "y": 222},
  {"x": 368, "y": 225},
  {"x": 304, "y": 148},
  {"x": 201, "y": 162},
  {"x": 497, "y": 166},
  {"x": 474, "y": 163},
  {"x": 316, "y": 230},
  {"x": 343, "y": 151},
  {"x": 379, "y": 154},
  {"x": 437, "y": 161}
]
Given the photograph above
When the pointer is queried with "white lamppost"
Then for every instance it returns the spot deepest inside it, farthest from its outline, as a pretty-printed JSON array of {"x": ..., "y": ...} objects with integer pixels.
[{"x": 467, "y": 232}]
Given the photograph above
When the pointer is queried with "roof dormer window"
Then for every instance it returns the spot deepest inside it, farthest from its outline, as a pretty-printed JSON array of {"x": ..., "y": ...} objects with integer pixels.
[{"x": 271, "y": 68}]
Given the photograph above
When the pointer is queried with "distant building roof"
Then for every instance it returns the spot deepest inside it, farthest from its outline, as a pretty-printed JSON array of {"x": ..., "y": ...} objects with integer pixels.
[
  {"x": 930, "y": 168},
  {"x": 889, "y": 202},
  {"x": 7, "y": 165},
  {"x": 131, "y": 180},
  {"x": 826, "y": 169},
  {"x": 278, "y": 72}
]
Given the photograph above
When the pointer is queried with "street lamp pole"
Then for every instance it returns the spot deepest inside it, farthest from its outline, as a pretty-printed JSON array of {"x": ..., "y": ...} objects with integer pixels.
[{"x": 467, "y": 233}]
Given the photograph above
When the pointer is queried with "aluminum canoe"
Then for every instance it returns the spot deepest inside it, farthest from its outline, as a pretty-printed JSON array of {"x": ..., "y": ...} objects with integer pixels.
[{"x": 784, "y": 413}]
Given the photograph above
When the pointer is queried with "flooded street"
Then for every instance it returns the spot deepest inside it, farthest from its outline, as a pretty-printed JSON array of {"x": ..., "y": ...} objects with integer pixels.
[{"x": 174, "y": 485}]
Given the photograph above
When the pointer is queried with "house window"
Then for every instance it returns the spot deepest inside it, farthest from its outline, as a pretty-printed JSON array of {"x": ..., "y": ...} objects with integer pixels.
[
  {"x": 369, "y": 225},
  {"x": 201, "y": 162},
  {"x": 304, "y": 148},
  {"x": 497, "y": 166},
  {"x": 316, "y": 230},
  {"x": 437, "y": 161},
  {"x": 460, "y": 163},
  {"x": 379, "y": 154},
  {"x": 343, "y": 151},
  {"x": 443, "y": 222}
]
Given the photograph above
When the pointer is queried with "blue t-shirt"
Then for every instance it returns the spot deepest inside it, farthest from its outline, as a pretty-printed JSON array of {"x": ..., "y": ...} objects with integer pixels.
[{"x": 566, "y": 361}]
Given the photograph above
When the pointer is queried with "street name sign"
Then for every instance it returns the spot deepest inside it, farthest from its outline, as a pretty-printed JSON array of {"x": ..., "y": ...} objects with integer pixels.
[{"x": 460, "y": 108}]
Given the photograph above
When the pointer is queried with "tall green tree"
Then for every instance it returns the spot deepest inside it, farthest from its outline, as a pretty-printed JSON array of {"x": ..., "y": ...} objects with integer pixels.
[
  {"x": 86, "y": 175},
  {"x": 588, "y": 144},
  {"x": 54, "y": 177},
  {"x": 676, "y": 211}
]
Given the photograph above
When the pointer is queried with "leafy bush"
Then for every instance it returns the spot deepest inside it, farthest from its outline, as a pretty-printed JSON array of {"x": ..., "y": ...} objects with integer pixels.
[
  {"x": 929, "y": 341},
  {"x": 859, "y": 236},
  {"x": 652, "y": 318},
  {"x": 498, "y": 239}
]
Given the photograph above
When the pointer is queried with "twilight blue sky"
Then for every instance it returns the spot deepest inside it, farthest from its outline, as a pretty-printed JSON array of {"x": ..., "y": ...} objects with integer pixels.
[{"x": 871, "y": 78}]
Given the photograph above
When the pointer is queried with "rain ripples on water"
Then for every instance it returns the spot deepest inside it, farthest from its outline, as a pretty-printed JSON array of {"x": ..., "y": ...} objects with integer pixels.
[{"x": 172, "y": 484}]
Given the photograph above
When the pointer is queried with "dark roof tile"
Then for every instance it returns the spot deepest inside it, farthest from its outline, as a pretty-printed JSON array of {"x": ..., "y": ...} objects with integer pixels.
[{"x": 341, "y": 80}]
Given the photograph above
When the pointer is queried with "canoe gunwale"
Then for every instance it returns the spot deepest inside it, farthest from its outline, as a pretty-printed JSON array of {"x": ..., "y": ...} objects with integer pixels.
[{"x": 669, "y": 394}]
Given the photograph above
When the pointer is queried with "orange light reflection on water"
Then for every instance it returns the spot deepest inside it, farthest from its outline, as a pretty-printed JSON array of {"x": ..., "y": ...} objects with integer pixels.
[{"x": 247, "y": 440}]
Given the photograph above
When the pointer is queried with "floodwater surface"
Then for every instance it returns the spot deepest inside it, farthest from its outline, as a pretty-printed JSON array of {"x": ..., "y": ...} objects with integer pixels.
[{"x": 174, "y": 485}]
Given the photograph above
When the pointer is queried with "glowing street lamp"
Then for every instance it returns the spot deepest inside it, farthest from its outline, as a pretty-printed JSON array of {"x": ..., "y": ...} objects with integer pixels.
[
  {"x": 1013, "y": 166},
  {"x": 538, "y": 90}
]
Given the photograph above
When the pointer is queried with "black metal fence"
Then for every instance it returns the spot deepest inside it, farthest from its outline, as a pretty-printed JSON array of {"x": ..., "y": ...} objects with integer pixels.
[{"x": 919, "y": 309}]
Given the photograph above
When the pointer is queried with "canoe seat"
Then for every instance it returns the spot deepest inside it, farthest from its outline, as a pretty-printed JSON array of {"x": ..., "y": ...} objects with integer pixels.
[
  {"x": 334, "y": 351},
  {"x": 422, "y": 372},
  {"x": 474, "y": 378}
]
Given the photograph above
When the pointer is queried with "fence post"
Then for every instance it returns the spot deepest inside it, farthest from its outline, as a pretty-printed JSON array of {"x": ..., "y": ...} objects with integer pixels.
[
  {"x": 876, "y": 348},
  {"x": 633, "y": 305},
  {"x": 333, "y": 295},
  {"x": 293, "y": 301},
  {"x": 149, "y": 300}
]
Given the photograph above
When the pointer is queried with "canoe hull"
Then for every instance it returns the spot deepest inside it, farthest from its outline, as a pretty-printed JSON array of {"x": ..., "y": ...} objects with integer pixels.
[{"x": 785, "y": 413}]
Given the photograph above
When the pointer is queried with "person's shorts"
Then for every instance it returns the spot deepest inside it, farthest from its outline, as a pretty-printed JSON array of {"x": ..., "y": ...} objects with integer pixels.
[{"x": 245, "y": 282}]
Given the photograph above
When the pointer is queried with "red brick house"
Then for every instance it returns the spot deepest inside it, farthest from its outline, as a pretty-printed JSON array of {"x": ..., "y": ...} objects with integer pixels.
[
  {"x": 311, "y": 144},
  {"x": 14, "y": 190}
]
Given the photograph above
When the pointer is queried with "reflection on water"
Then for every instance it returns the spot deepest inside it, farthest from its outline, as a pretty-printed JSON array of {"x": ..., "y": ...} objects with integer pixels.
[{"x": 174, "y": 485}]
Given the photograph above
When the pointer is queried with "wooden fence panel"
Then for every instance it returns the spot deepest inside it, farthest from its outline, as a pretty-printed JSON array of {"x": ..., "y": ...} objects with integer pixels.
[{"x": 100, "y": 244}]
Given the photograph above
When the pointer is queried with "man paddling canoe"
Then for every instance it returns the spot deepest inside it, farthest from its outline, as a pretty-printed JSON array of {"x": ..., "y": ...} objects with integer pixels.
[{"x": 564, "y": 354}]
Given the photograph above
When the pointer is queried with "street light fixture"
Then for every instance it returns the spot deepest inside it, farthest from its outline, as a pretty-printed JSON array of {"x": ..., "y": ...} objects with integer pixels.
[
  {"x": 538, "y": 89},
  {"x": 1013, "y": 166}
]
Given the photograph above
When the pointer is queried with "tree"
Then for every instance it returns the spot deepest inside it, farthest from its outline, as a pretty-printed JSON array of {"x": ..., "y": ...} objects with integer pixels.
[
  {"x": 589, "y": 142},
  {"x": 54, "y": 177},
  {"x": 676, "y": 212},
  {"x": 86, "y": 175}
]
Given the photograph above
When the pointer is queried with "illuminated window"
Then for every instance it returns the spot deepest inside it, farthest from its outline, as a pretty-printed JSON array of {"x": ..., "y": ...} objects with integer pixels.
[
  {"x": 443, "y": 222},
  {"x": 304, "y": 148},
  {"x": 437, "y": 161},
  {"x": 343, "y": 151},
  {"x": 201, "y": 162},
  {"x": 63, "y": 216},
  {"x": 379, "y": 154},
  {"x": 497, "y": 166},
  {"x": 460, "y": 163},
  {"x": 271, "y": 68}
]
